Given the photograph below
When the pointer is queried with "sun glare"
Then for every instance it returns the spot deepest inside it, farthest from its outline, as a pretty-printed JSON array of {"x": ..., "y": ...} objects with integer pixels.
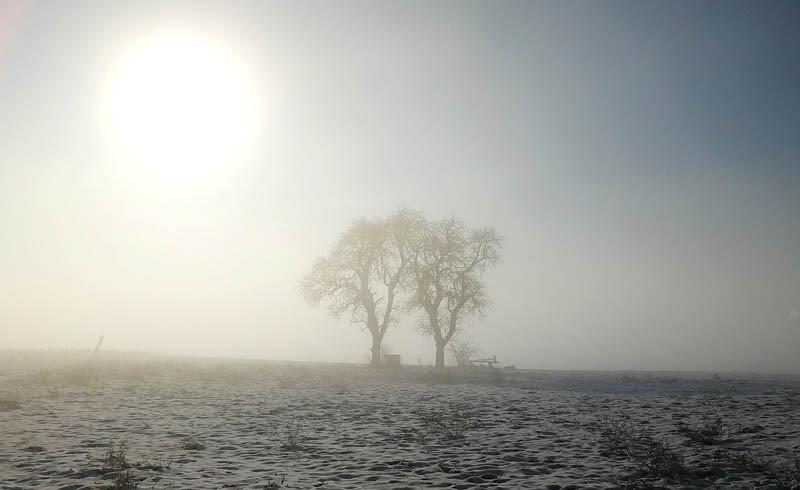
[{"x": 181, "y": 105}]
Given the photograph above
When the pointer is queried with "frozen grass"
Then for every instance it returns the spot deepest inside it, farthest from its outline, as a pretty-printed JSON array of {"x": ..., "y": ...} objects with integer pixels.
[
  {"x": 292, "y": 437},
  {"x": 116, "y": 456},
  {"x": 651, "y": 457}
]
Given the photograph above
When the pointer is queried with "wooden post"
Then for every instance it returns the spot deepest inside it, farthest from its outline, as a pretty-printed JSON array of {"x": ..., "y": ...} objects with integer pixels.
[{"x": 99, "y": 343}]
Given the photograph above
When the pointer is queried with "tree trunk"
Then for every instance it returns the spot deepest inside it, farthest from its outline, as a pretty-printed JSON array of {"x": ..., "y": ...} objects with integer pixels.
[
  {"x": 440, "y": 355},
  {"x": 376, "y": 351}
]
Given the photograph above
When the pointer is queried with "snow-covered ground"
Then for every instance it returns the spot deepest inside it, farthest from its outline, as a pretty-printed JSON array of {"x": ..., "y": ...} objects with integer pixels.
[{"x": 228, "y": 424}]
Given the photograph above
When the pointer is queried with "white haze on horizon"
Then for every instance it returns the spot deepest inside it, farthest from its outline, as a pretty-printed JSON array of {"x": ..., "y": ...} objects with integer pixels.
[{"x": 641, "y": 231}]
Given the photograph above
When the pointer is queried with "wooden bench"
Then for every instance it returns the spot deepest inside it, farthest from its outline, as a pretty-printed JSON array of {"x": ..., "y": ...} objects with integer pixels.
[{"x": 489, "y": 362}]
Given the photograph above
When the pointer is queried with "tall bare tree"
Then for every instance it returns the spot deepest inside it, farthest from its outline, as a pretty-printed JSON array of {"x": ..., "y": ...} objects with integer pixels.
[
  {"x": 364, "y": 273},
  {"x": 447, "y": 265}
]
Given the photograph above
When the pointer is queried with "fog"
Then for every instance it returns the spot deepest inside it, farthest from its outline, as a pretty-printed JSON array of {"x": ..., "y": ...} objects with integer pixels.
[{"x": 640, "y": 164}]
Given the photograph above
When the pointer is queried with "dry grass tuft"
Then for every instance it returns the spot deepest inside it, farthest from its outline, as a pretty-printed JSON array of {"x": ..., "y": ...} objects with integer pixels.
[
  {"x": 192, "y": 444},
  {"x": 451, "y": 422},
  {"x": 651, "y": 457},
  {"x": 124, "y": 480},
  {"x": 785, "y": 473},
  {"x": 788, "y": 472},
  {"x": 710, "y": 431},
  {"x": 292, "y": 437},
  {"x": 656, "y": 459},
  {"x": 115, "y": 456}
]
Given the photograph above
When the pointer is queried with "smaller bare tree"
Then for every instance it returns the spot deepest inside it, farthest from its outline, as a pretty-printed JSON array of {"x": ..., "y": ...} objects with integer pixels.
[
  {"x": 447, "y": 266},
  {"x": 462, "y": 351}
]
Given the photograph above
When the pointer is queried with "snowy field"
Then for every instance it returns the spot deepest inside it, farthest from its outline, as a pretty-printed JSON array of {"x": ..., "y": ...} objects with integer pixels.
[{"x": 167, "y": 423}]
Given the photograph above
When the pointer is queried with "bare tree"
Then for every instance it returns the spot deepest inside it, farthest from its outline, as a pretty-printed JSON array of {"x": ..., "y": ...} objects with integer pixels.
[
  {"x": 462, "y": 351},
  {"x": 447, "y": 264},
  {"x": 364, "y": 273}
]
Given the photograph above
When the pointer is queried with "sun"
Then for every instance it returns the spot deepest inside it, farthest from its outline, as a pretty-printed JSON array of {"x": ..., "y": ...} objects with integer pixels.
[{"x": 180, "y": 104}]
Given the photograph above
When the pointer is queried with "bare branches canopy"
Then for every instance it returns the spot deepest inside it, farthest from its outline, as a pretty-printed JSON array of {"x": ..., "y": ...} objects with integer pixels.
[
  {"x": 447, "y": 266},
  {"x": 434, "y": 267}
]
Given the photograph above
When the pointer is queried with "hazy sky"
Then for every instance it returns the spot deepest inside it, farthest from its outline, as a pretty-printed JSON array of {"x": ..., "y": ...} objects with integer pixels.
[{"x": 640, "y": 159}]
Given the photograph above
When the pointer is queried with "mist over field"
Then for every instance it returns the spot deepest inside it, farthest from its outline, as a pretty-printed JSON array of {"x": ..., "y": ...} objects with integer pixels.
[
  {"x": 639, "y": 161},
  {"x": 363, "y": 244}
]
